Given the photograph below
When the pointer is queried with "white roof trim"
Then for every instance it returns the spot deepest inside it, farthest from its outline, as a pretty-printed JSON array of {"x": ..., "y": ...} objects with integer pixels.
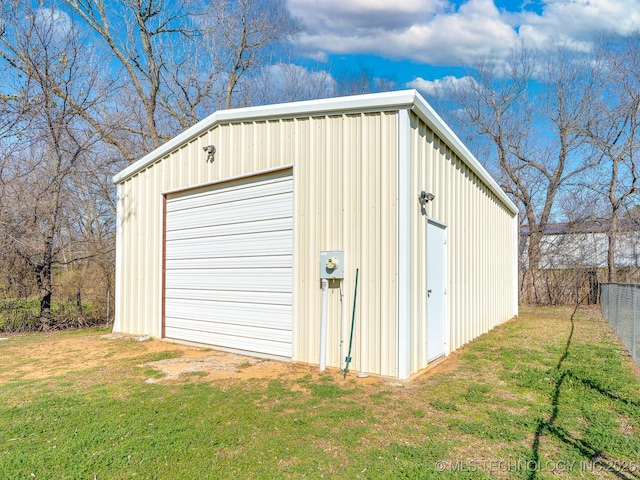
[
  {"x": 431, "y": 118},
  {"x": 361, "y": 103}
]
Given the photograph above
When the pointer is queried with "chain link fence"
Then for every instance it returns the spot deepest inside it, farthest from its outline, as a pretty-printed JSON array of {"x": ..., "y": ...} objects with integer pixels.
[{"x": 620, "y": 305}]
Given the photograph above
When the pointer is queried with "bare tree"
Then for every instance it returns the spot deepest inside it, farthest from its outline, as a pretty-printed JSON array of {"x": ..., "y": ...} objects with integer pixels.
[
  {"x": 176, "y": 62},
  {"x": 362, "y": 80},
  {"x": 189, "y": 83},
  {"x": 355, "y": 82},
  {"x": 49, "y": 64},
  {"x": 616, "y": 137},
  {"x": 136, "y": 32},
  {"x": 288, "y": 82},
  {"x": 533, "y": 115},
  {"x": 246, "y": 35}
]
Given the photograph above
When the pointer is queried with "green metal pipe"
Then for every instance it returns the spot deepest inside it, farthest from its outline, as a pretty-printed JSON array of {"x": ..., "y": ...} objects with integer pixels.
[{"x": 353, "y": 321}]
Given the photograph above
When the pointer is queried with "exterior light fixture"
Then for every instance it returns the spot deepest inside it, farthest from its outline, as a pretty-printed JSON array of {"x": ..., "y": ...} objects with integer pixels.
[
  {"x": 426, "y": 197},
  {"x": 211, "y": 151}
]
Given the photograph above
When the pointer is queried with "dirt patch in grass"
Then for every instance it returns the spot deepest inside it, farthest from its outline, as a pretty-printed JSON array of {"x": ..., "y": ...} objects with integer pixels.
[
  {"x": 216, "y": 364},
  {"x": 28, "y": 357}
]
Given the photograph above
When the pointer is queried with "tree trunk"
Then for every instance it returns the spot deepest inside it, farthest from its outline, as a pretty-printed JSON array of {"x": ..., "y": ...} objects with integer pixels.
[
  {"x": 44, "y": 272},
  {"x": 533, "y": 253},
  {"x": 592, "y": 276},
  {"x": 45, "y": 284},
  {"x": 79, "y": 303},
  {"x": 612, "y": 273}
]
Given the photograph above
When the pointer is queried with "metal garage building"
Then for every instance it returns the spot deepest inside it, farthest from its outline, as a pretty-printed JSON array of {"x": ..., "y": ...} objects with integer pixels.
[{"x": 220, "y": 233}]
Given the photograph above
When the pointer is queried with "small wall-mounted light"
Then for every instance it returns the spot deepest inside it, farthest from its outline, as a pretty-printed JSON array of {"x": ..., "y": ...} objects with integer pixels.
[
  {"x": 425, "y": 197},
  {"x": 211, "y": 151}
]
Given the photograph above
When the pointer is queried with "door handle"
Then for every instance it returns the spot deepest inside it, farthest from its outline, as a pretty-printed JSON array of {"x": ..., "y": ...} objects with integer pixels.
[{"x": 428, "y": 292}]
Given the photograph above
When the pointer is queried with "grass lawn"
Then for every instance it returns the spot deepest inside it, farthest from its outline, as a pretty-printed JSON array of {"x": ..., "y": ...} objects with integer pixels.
[{"x": 543, "y": 396}]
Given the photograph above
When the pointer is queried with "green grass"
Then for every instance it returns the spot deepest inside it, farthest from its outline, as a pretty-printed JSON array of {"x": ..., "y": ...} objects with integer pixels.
[{"x": 538, "y": 391}]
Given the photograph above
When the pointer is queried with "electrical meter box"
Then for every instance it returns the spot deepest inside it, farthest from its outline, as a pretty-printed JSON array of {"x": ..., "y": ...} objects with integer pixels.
[{"x": 332, "y": 264}]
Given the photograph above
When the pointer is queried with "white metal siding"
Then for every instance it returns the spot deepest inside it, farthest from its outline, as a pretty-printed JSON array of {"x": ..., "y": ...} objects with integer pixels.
[
  {"x": 229, "y": 266},
  {"x": 345, "y": 178},
  {"x": 481, "y": 256}
]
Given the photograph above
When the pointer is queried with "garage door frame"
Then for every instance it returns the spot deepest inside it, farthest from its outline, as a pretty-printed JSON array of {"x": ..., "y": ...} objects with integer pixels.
[{"x": 249, "y": 179}]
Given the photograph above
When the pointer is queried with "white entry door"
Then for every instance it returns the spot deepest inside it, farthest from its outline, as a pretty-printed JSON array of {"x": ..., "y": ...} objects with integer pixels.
[{"x": 436, "y": 289}]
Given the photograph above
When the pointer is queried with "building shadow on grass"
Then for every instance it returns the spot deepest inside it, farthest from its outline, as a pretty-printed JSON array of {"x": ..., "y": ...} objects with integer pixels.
[{"x": 596, "y": 457}]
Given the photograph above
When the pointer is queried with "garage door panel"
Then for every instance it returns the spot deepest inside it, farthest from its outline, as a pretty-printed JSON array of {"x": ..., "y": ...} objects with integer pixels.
[
  {"x": 271, "y": 332},
  {"x": 229, "y": 266},
  {"x": 247, "y": 280},
  {"x": 264, "y": 298},
  {"x": 194, "y": 264},
  {"x": 247, "y": 210},
  {"x": 260, "y": 189},
  {"x": 208, "y": 230},
  {"x": 256, "y": 345},
  {"x": 250, "y": 244},
  {"x": 241, "y": 332},
  {"x": 230, "y": 318}
]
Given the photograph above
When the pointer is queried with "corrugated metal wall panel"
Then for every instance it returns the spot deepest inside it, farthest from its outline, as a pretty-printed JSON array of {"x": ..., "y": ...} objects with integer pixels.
[
  {"x": 481, "y": 251},
  {"x": 139, "y": 239},
  {"x": 346, "y": 164},
  {"x": 344, "y": 184}
]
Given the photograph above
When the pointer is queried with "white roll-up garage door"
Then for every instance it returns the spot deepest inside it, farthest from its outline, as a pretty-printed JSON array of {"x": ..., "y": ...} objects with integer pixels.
[{"x": 229, "y": 265}]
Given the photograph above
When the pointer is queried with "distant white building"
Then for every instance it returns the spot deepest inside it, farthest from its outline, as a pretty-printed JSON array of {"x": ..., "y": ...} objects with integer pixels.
[{"x": 584, "y": 244}]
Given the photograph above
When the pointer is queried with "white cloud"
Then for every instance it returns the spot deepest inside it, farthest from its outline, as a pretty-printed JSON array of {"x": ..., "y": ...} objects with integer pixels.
[
  {"x": 573, "y": 23},
  {"x": 451, "y": 38},
  {"x": 55, "y": 19},
  {"x": 318, "y": 56},
  {"x": 361, "y": 16},
  {"x": 441, "y": 86},
  {"x": 426, "y": 30},
  {"x": 439, "y": 33}
]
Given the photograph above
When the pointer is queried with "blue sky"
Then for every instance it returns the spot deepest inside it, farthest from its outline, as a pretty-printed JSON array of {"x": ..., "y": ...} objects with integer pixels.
[{"x": 421, "y": 43}]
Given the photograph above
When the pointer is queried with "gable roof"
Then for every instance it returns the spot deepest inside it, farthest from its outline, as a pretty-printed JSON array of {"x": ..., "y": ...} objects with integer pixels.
[{"x": 375, "y": 102}]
